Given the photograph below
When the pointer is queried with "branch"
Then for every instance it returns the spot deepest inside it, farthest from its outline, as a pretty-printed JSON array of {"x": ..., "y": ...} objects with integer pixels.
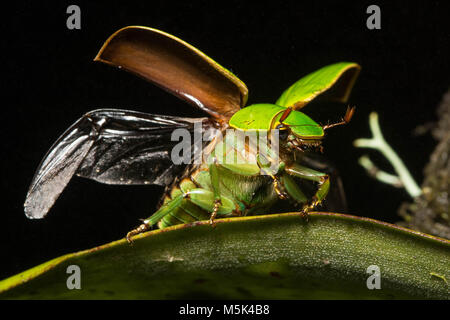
[
  {"x": 378, "y": 174},
  {"x": 379, "y": 143}
]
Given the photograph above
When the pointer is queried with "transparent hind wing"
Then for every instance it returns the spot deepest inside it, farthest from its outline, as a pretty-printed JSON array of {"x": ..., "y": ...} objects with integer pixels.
[{"x": 113, "y": 147}]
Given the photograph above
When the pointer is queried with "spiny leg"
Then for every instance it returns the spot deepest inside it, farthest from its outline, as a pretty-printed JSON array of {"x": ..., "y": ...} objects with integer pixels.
[
  {"x": 294, "y": 191},
  {"x": 323, "y": 179},
  {"x": 214, "y": 175},
  {"x": 336, "y": 199},
  {"x": 207, "y": 200},
  {"x": 203, "y": 198},
  {"x": 217, "y": 204},
  {"x": 268, "y": 170},
  {"x": 158, "y": 215},
  {"x": 277, "y": 187},
  {"x": 141, "y": 229}
]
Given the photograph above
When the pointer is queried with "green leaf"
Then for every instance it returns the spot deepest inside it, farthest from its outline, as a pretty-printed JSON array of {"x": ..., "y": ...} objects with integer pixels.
[
  {"x": 334, "y": 81},
  {"x": 261, "y": 257}
]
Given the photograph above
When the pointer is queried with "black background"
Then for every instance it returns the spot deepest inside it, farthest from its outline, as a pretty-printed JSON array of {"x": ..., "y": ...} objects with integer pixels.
[{"x": 50, "y": 80}]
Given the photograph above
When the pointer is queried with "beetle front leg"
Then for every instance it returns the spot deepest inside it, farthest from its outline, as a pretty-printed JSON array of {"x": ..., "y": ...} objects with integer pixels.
[
  {"x": 276, "y": 185},
  {"x": 323, "y": 179},
  {"x": 292, "y": 189},
  {"x": 274, "y": 174}
]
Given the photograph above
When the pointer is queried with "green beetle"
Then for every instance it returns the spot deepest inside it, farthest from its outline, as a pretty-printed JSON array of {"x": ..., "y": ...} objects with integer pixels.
[{"x": 127, "y": 147}]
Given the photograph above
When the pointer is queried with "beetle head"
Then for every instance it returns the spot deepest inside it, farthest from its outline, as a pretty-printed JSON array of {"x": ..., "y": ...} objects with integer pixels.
[
  {"x": 292, "y": 139},
  {"x": 297, "y": 131}
]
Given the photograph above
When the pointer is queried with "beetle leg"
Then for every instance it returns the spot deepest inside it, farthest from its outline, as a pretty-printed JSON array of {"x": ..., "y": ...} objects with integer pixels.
[
  {"x": 158, "y": 215},
  {"x": 295, "y": 192},
  {"x": 266, "y": 169},
  {"x": 323, "y": 179},
  {"x": 142, "y": 228},
  {"x": 203, "y": 198},
  {"x": 217, "y": 204},
  {"x": 214, "y": 174},
  {"x": 276, "y": 185},
  {"x": 206, "y": 200},
  {"x": 293, "y": 189}
]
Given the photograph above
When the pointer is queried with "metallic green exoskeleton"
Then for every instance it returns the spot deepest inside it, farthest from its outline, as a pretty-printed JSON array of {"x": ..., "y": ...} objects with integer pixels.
[
  {"x": 221, "y": 188},
  {"x": 250, "y": 162}
]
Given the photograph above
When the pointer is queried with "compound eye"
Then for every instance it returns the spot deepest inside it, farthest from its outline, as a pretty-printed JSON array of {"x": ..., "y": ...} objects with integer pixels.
[{"x": 282, "y": 133}]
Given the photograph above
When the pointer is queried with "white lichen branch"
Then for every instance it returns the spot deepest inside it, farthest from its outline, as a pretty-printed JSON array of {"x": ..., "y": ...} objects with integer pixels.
[
  {"x": 379, "y": 174},
  {"x": 378, "y": 142}
]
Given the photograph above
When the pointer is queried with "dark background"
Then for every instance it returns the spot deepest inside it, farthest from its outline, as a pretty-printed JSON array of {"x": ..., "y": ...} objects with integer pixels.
[{"x": 50, "y": 80}]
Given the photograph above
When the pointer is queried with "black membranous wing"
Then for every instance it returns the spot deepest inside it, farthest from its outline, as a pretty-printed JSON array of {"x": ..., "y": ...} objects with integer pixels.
[{"x": 114, "y": 147}]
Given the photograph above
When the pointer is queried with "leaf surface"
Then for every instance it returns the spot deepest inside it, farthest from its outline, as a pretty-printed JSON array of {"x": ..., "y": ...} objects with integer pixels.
[{"x": 277, "y": 256}]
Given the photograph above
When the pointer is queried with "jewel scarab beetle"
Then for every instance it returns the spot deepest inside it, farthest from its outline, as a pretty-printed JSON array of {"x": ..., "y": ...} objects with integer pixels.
[{"x": 115, "y": 146}]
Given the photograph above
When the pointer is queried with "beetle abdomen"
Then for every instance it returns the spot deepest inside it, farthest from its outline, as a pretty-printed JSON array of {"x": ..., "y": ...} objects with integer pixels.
[{"x": 250, "y": 195}]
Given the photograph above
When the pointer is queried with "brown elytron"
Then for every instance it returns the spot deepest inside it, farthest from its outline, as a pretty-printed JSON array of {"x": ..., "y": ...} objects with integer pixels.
[{"x": 176, "y": 67}]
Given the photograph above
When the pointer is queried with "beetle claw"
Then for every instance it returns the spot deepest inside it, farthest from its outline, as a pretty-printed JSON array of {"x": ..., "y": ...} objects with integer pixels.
[
  {"x": 212, "y": 222},
  {"x": 304, "y": 214},
  {"x": 308, "y": 207},
  {"x": 142, "y": 228}
]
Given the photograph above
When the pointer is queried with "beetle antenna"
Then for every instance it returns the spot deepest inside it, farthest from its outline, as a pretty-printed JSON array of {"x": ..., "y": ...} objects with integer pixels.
[{"x": 347, "y": 117}]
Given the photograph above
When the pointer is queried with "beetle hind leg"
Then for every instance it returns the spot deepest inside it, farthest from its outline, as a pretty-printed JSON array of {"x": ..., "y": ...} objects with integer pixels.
[
  {"x": 158, "y": 215},
  {"x": 142, "y": 228}
]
